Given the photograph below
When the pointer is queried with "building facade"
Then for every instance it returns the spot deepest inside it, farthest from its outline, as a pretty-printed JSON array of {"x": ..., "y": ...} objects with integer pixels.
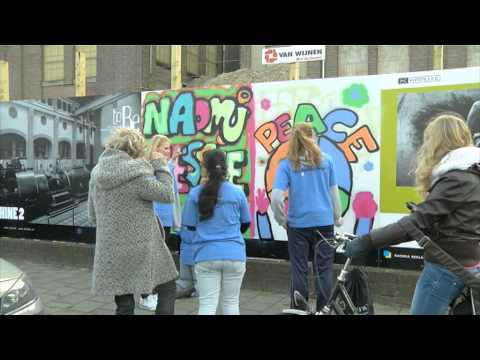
[{"x": 47, "y": 71}]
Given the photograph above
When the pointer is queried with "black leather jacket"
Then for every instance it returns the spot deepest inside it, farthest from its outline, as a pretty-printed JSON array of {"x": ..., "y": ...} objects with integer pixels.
[{"x": 450, "y": 215}]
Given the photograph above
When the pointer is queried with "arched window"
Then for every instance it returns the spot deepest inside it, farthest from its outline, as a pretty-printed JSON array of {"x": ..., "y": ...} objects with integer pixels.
[
  {"x": 80, "y": 151},
  {"x": 42, "y": 148},
  {"x": 64, "y": 150},
  {"x": 12, "y": 146}
]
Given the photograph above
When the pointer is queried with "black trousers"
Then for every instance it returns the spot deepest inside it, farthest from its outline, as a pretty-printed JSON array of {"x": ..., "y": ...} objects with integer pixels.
[
  {"x": 165, "y": 304},
  {"x": 167, "y": 234},
  {"x": 303, "y": 243}
]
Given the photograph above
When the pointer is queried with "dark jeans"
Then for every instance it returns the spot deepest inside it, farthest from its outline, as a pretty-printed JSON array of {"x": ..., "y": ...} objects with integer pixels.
[
  {"x": 167, "y": 234},
  {"x": 301, "y": 243},
  {"x": 165, "y": 303}
]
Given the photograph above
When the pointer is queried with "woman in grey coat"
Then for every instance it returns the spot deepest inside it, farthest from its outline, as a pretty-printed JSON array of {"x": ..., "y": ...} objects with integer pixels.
[{"x": 131, "y": 256}]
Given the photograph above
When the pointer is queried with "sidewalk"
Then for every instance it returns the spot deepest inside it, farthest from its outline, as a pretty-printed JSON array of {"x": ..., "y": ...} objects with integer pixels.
[{"x": 66, "y": 291}]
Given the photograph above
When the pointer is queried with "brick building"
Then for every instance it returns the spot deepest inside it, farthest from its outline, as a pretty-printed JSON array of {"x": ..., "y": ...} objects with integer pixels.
[{"x": 47, "y": 71}]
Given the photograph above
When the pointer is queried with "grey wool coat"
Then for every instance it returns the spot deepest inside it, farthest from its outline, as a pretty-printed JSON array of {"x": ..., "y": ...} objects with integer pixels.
[{"x": 131, "y": 256}]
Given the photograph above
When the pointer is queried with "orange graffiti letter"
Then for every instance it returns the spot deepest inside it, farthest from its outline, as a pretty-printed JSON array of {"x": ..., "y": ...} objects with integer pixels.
[
  {"x": 367, "y": 138},
  {"x": 267, "y": 135}
]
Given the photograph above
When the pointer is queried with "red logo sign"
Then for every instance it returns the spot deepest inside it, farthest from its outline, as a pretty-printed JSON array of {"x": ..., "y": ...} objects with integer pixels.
[{"x": 271, "y": 56}]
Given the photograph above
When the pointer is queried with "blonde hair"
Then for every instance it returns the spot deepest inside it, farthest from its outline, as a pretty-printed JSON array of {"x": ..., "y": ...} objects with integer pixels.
[
  {"x": 446, "y": 132},
  {"x": 128, "y": 140},
  {"x": 157, "y": 141},
  {"x": 302, "y": 143}
]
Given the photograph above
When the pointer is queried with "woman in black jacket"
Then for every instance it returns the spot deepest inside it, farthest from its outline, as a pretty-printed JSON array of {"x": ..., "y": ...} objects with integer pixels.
[{"x": 448, "y": 177}]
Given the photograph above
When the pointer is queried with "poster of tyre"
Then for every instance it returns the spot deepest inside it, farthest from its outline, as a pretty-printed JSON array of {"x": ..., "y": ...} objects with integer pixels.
[{"x": 47, "y": 151}]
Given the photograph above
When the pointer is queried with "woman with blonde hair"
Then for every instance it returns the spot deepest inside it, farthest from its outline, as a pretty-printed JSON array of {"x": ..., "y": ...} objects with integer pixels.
[
  {"x": 131, "y": 256},
  {"x": 313, "y": 205},
  {"x": 448, "y": 178},
  {"x": 167, "y": 213}
]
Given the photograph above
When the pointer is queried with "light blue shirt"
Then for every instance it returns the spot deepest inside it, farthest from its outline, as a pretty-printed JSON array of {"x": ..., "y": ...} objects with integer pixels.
[
  {"x": 218, "y": 238},
  {"x": 186, "y": 248},
  {"x": 309, "y": 199},
  {"x": 165, "y": 211}
]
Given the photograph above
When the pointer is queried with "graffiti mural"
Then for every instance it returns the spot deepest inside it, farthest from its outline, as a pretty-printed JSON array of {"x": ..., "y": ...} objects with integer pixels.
[
  {"x": 346, "y": 123},
  {"x": 200, "y": 119},
  {"x": 252, "y": 124}
]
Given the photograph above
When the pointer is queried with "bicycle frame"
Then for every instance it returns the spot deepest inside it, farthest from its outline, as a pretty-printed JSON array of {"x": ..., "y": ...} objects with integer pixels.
[{"x": 339, "y": 291}]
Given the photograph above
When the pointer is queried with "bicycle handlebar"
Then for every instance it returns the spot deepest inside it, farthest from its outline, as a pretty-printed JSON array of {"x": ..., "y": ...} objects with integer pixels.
[{"x": 338, "y": 240}]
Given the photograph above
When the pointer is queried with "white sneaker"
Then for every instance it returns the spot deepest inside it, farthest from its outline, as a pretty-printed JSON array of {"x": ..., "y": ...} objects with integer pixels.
[{"x": 149, "y": 303}]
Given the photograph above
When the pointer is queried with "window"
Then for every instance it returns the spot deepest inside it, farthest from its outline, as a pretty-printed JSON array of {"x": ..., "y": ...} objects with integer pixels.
[
  {"x": 43, "y": 119},
  {"x": 393, "y": 59},
  {"x": 192, "y": 59},
  {"x": 69, "y": 108},
  {"x": 473, "y": 55},
  {"x": 90, "y": 52},
  {"x": 12, "y": 146},
  {"x": 163, "y": 55},
  {"x": 64, "y": 150},
  {"x": 211, "y": 60},
  {"x": 80, "y": 151},
  {"x": 352, "y": 60},
  {"x": 59, "y": 104},
  {"x": 12, "y": 111},
  {"x": 53, "y": 62},
  {"x": 50, "y": 102},
  {"x": 41, "y": 148},
  {"x": 64, "y": 106},
  {"x": 64, "y": 125}
]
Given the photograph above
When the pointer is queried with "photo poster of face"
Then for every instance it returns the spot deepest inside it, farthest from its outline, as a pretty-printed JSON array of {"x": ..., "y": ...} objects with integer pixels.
[
  {"x": 409, "y": 102},
  {"x": 47, "y": 151}
]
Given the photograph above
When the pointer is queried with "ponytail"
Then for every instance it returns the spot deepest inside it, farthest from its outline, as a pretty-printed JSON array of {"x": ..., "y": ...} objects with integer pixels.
[{"x": 216, "y": 166}]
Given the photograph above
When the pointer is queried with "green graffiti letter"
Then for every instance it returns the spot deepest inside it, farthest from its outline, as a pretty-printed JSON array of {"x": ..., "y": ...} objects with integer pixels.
[
  {"x": 236, "y": 161},
  {"x": 156, "y": 119},
  {"x": 224, "y": 116},
  {"x": 308, "y": 113}
]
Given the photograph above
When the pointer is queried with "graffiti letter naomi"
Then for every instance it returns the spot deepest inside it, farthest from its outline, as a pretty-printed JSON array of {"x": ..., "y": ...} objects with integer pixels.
[{"x": 227, "y": 117}]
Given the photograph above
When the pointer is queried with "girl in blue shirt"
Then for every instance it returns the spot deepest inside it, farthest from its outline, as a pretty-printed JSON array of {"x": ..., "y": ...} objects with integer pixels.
[
  {"x": 218, "y": 213},
  {"x": 313, "y": 205},
  {"x": 168, "y": 214}
]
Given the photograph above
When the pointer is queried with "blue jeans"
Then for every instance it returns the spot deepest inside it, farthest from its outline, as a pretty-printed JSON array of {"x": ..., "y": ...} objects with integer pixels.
[
  {"x": 219, "y": 277},
  {"x": 302, "y": 242},
  {"x": 436, "y": 288}
]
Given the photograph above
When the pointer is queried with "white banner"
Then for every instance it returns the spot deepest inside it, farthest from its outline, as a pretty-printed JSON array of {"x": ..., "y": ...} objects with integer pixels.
[{"x": 292, "y": 54}]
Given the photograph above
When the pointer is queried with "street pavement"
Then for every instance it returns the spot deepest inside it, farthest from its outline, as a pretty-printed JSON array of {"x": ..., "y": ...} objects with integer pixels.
[{"x": 67, "y": 291}]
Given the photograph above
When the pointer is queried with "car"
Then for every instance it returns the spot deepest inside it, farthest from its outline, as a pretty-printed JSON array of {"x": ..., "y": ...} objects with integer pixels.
[{"x": 17, "y": 295}]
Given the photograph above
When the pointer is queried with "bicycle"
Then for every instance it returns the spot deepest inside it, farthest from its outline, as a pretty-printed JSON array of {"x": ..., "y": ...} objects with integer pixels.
[{"x": 340, "y": 302}]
